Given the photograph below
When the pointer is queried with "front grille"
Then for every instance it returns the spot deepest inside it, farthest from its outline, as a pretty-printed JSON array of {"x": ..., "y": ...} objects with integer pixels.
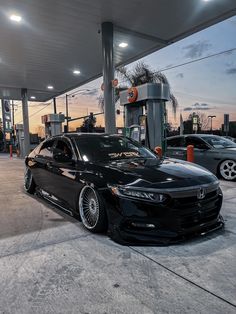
[
  {"x": 191, "y": 212},
  {"x": 193, "y": 199}
]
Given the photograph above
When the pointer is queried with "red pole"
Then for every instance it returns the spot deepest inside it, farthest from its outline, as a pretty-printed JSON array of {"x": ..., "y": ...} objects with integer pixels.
[
  {"x": 190, "y": 153},
  {"x": 10, "y": 148},
  {"x": 158, "y": 151}
]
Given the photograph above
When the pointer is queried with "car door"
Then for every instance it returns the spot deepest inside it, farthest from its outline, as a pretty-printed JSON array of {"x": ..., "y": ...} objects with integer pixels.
[
  {"x": 43, "y": 159},
  {"x": 203, "y": 154},
  {"x": 176, "y": 148},
  {"x": 64, "y": 176}
]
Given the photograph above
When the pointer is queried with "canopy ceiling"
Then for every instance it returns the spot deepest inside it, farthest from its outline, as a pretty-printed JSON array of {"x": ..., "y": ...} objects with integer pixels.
[{"x": 57, "y": 36}]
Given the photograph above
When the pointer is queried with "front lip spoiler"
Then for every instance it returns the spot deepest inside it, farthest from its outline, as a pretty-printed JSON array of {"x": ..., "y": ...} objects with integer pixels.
[{"x": 138, "y": 239}]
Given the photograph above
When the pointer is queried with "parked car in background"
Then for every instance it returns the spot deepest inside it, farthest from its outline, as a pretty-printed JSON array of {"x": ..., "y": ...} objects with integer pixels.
[
  {"x": 113, "y": 183},
  {"x": 216, "y": 153}
]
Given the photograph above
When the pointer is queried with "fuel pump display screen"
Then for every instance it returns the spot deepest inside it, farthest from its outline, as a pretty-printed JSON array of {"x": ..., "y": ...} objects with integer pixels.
[
  {"x": 135, "y": 134},
  {"x": 142, "y": 122}
]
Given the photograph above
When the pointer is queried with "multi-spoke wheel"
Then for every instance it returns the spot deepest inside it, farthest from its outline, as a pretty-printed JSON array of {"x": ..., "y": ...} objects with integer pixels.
[
  {"x": 92, "y": 211},
  {"x": 29, "y": 181},
  {"x": 228, "y": 170}
]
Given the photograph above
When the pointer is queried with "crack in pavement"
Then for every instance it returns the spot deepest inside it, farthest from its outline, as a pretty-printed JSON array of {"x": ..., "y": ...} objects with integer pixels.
[{"x": 184, "y": 278}]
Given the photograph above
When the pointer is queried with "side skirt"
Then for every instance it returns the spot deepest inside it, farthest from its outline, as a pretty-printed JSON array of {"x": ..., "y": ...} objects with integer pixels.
[{"x": 52, "y": 199}]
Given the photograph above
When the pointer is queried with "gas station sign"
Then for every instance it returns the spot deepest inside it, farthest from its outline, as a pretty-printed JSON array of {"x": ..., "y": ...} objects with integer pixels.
[
  {"x": 195, "y": 120},
  {"x": 6, "y": 115}
]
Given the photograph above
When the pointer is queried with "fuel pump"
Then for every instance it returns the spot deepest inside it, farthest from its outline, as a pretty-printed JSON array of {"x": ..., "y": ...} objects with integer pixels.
[
  {"x": 144, "y": 108},
  {"x": 53, "y": 123}
]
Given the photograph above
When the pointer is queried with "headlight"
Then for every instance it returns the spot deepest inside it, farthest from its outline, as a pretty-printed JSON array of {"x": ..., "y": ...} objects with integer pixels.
[{"x": 138, "y": 194}]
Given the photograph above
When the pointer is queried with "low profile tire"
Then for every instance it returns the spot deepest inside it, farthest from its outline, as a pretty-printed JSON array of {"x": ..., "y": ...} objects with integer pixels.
[
  {"x": 29, "y": 184},
  {"x": 227, "y": 170},
  {"x": 92, "y": 211}
]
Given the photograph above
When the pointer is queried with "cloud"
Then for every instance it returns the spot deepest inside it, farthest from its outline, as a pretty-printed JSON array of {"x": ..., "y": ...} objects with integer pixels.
[
  {"x": 231, "y": 71},
  {"x": 180, "y": 75},
  {"x": 194, "y": 51},
  {"x": 199, "y": 107},
  {"x": 202, "y": 108}
]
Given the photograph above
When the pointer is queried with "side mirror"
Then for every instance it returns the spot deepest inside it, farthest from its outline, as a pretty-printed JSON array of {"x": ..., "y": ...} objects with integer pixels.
[{"x": 61, "y": 156}]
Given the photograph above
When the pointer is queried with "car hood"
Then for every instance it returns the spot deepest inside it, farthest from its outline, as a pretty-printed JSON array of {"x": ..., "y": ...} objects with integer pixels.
[{"x": 158, "y": 174}]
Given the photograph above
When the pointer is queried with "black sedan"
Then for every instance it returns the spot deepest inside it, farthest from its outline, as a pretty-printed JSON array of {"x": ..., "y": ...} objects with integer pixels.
[{"x": 112, "y": 183}]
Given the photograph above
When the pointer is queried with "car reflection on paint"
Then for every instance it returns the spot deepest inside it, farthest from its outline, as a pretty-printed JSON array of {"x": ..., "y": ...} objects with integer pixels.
[
  {"x": 112, "y": 183},
  {"x": 216, "y": 153}
]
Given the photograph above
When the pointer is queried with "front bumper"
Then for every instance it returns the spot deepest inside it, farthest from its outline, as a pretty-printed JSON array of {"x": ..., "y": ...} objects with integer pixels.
[
  {"x": 133, "y": 222},
  {"x": 163, "y": 237}
]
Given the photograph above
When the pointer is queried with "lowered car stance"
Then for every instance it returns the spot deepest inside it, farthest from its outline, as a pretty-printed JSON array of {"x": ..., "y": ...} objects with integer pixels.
[
  {"x": 112, "y": 183},
  {"x": 216, "y": 153}
]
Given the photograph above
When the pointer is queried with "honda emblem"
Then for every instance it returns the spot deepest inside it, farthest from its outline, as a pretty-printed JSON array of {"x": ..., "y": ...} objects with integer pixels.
[{"x": 201, "y": 193}]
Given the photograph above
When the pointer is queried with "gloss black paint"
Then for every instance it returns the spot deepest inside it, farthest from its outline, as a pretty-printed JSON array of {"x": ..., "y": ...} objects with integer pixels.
[{"x": 178, "y": 218}]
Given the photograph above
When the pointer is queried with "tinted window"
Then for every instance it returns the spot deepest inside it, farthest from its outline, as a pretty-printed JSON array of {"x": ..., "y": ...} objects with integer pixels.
[
  {"x": 196, "y": 142},
  {"x": 64, "y": 147},
  {"x": 46, "y": 149},
  {"x": 105, "y": 148},
  {"x": 219, "y": 142},
  {"x": 175, "y": 142}
]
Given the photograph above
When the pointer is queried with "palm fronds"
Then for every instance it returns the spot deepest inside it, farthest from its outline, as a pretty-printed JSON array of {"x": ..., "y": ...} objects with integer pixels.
[{"x": 140, "y": 74}]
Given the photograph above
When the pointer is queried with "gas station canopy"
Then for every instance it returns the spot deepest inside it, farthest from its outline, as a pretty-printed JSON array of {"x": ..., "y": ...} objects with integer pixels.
[{"x": 44, "y": 42}]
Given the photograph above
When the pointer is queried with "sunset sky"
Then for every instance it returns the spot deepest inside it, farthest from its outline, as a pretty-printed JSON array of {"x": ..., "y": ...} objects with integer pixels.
[{"x": 201, "y": 70}]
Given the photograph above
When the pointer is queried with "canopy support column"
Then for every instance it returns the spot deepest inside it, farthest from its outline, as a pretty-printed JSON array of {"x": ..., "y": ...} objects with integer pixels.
[
  {"x": 25, "y": 121},
  {"x": 108, "y": 76}
]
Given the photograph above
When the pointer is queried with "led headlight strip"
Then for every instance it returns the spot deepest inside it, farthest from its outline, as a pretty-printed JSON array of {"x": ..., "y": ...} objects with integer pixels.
[{"x": 137, "y": 194}]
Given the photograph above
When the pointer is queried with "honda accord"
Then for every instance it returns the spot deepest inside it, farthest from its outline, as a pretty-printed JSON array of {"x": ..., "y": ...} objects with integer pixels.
[{"x": 112, "y": 183}]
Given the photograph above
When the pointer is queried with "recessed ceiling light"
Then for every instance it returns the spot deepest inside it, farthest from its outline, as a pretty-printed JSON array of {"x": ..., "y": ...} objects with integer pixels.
[
  {"x": 123, "y": 45},
  {"x": 76, "y": 72},
  {"x": 50, "y": 87},
  {"x": 15, "y": 18},
  {"x": 32, "y": 97}
]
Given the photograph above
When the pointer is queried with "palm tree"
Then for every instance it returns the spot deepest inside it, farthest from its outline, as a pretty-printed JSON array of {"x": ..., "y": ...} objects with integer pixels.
[{"x": 140, "y": 74}]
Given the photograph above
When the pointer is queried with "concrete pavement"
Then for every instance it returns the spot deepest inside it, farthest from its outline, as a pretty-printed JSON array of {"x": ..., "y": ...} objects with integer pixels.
[{"x": 50, "y": 264}]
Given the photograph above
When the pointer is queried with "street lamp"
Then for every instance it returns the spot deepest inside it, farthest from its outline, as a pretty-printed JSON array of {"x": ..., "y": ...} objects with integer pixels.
[{"x": 211, "y": 117}]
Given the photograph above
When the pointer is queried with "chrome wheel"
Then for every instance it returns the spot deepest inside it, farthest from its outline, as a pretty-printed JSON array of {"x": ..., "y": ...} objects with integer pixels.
[
  {"x": 228, "y": 170},
  {"x": 89, "y": 207},
  {"x": 28, "y": 179}
]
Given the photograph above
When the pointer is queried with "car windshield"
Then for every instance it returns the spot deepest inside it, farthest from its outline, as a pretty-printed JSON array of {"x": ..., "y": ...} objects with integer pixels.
[
  {"x": 219, "y": 142},
  {"x": 108, "y": 148}
]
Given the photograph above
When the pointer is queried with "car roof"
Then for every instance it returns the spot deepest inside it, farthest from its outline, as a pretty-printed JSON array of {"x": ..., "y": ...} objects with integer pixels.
[
  {"x": 194, "y": 135},
  {"x": 87, "y": 135}
]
